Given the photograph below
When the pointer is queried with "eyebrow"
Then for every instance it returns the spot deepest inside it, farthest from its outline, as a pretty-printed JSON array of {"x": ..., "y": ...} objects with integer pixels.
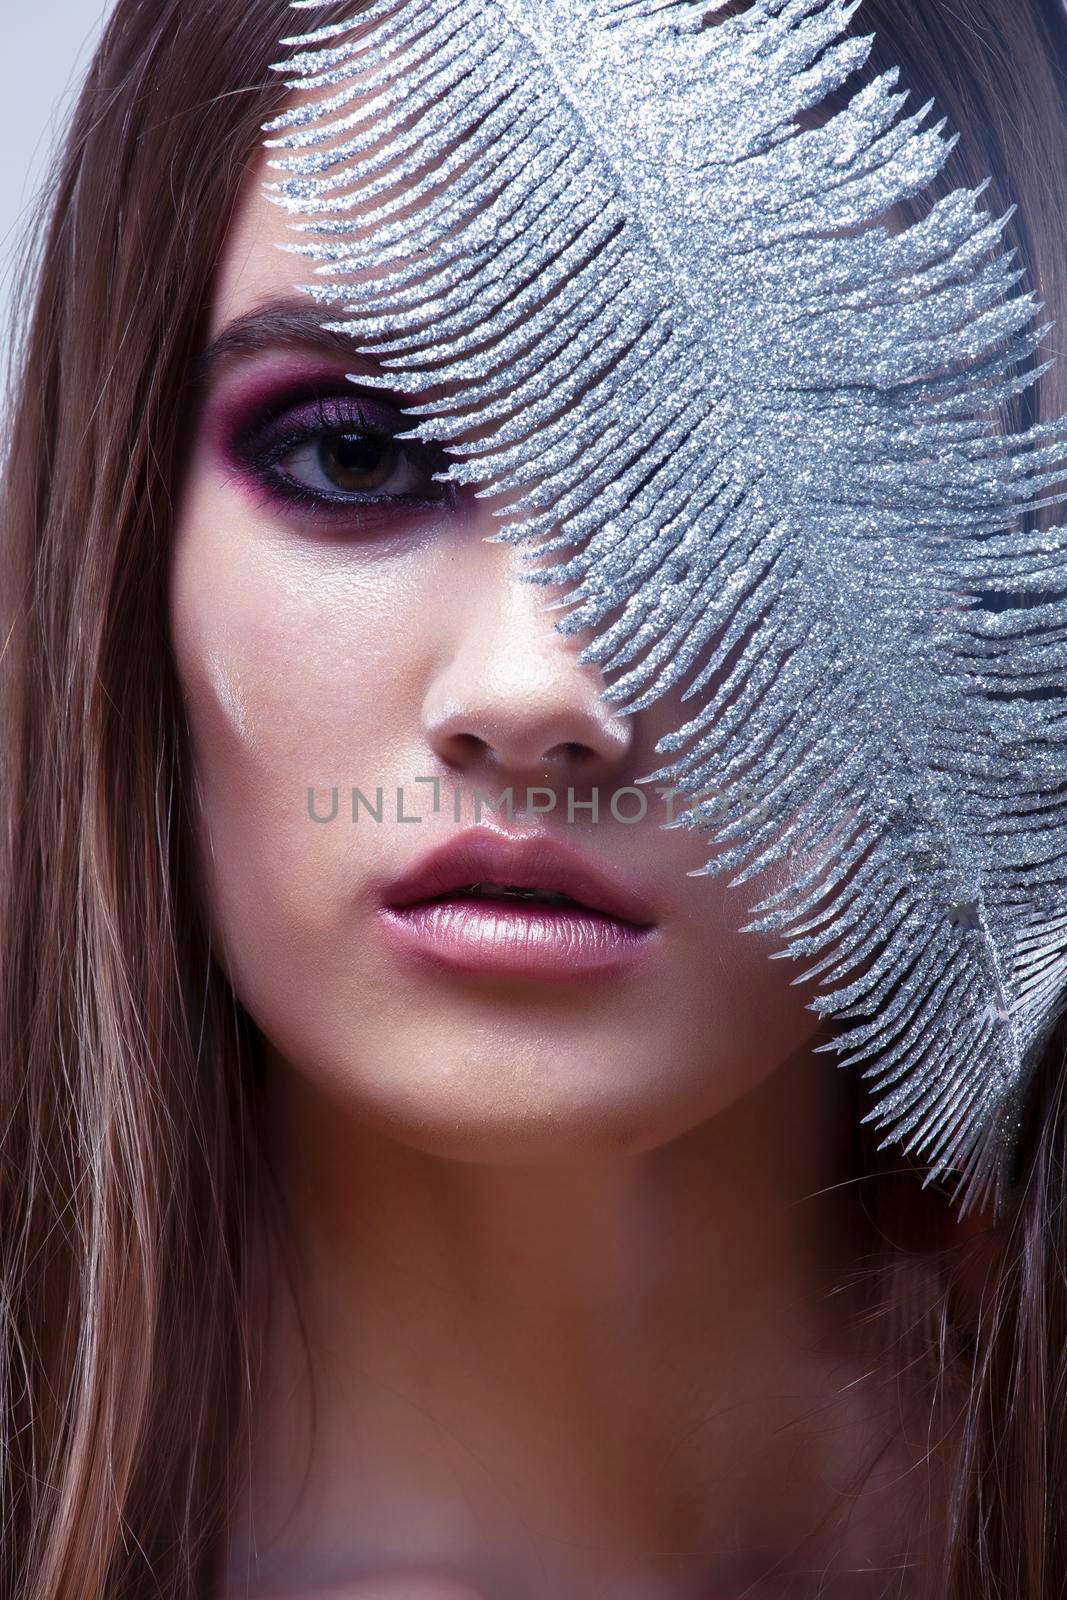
[{"x": 276, "y": 322}]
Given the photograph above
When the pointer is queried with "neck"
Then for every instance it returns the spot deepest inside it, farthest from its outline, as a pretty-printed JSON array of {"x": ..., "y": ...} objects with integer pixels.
[{"x": 637, "y": 1371}]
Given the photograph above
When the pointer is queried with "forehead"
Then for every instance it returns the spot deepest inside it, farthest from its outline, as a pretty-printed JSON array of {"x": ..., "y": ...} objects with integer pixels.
[{"x": 255, "y": 270}]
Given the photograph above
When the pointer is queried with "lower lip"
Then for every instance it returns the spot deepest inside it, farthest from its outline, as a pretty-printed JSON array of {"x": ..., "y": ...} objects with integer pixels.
[{"x": 536, "y": 941}]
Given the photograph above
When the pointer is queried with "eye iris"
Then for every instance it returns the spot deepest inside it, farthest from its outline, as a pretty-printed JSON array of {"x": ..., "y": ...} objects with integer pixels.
[{"x": 355, "y": 461}]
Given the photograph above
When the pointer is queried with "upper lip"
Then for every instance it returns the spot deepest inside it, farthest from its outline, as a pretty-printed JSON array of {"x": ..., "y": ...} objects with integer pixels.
[{"x": 531, "y": 862}]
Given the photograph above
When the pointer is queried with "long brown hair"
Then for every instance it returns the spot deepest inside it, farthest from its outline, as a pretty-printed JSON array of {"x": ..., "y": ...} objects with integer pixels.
[{"x": 130, "y": 1161}]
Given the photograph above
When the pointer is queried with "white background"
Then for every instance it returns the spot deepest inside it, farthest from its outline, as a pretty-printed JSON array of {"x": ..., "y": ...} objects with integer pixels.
[{"x": 47, "y": 47}]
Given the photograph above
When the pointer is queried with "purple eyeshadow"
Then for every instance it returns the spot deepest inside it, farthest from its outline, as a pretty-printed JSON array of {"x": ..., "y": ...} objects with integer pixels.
[{"x": 255, "y": 429}]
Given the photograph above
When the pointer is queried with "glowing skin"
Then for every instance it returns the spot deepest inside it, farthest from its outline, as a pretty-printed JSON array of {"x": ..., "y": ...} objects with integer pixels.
[{"x": 568, "y": 1244}]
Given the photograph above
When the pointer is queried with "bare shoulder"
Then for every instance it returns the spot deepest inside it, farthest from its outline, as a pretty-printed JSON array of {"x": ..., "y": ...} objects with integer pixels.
[
  {"x": 392, "y": 1586},
  {"x": 402, "y": 1587}
]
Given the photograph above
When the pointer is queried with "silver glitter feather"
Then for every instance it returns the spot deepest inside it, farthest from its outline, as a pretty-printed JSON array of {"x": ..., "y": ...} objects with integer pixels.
[{"x": 676, "y": 343}]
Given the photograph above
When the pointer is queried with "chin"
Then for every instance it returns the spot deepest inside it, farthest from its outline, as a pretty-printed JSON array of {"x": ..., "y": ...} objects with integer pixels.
[{"x": 528, "y": 1108}]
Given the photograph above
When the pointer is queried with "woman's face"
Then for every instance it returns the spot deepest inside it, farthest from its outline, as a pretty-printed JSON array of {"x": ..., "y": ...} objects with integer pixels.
[{"x": 338, "y": 621}]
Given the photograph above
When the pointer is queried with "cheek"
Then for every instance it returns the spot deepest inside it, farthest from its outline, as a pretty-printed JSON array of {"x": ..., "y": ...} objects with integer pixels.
[
  {"x": 743, "y": 1009},
  {"x": 285, "y": 655}
]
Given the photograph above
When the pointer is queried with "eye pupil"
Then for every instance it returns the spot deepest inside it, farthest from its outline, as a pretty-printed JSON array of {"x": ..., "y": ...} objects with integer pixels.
[{"x": 357, "y": 460}]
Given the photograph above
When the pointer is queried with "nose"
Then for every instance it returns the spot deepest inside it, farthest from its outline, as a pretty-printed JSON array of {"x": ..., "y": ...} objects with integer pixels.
[{"x": 510, "y": 694}]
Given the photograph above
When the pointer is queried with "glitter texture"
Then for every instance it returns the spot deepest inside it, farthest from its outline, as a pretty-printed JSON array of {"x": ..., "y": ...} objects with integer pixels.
[{"x": 668, "y": 327}]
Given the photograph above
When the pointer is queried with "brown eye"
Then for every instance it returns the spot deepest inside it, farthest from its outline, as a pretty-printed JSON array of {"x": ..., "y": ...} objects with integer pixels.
[
  {"x": 364, "y": 465},
  {"x": 356, "y": 462}
]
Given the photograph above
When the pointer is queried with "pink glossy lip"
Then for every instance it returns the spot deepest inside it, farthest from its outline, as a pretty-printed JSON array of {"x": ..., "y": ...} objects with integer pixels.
[
  {"x": 424, "y": 913},
  {"x": 530, "y": 861}
]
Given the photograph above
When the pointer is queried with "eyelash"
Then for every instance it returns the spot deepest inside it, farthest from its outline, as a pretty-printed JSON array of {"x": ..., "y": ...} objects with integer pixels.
[{"x": 258, "y": 446}]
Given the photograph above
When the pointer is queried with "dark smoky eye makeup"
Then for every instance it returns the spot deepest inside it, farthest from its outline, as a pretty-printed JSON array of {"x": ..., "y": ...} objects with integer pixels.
[{"x": 323, "y": 449}]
